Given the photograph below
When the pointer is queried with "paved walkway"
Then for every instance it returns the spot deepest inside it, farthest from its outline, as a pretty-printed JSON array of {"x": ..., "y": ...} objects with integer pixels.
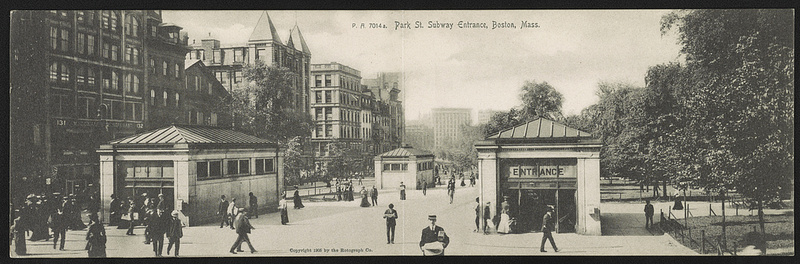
[{"x": 345, "y": 229}]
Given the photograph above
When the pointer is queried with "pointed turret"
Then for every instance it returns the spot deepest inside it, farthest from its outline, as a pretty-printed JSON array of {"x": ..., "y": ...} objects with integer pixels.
[
  {"x": 264, "y": 30},
  {"x": 297, "y": 41}
]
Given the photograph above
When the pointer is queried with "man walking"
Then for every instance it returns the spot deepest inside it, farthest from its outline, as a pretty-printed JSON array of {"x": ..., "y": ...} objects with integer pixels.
[
  {"x": 158, "y": 226},
  {"x": 391, "y": 217},
  {"x": 547, "y": 230},
  {"x": 477, "y": 214},
  {"x": 59, "y": 224},
  {"x": 374, "y": 195},
  {"x": 223, "y": 211},
  {"x": 487, "y": 214},
  {"x": 434, "y": 240},
  {"x": 243, "y": 228},
  {"x": 424, "y": 187},
  {"x": 174, "y": 233},
  {"x": 648, "y": 214},
  {"x": 402, "y": 191},
  {"x": 253, "y": 204}
]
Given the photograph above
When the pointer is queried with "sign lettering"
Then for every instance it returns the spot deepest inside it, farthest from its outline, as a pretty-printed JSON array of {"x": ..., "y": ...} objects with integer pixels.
[{"x": 549, "y": 171}]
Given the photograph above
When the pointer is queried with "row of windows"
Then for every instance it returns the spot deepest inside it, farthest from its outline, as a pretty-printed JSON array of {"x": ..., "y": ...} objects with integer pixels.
[
  {"x": 88, "y": 108},
  {"x": 395, "y": 166},
  {"x": 200, "y": 118},
  {"x": 147, "y": 169},
  {"x": 225, "y": 77},
  {"x": 328, "y": 131},
  {"x": 109, "y": 20},
  {"x": 85, "y": 78},
  {"x": 166, "y": 68},
  {"x": 195, "y": 83},
  {"x": 86, "y": 44},
  {"x": 234, "y": 167},
  {"x": 165, "y": 100},
  {"x": 428, "y": 165},
  {"x": 326, "y": 94}
]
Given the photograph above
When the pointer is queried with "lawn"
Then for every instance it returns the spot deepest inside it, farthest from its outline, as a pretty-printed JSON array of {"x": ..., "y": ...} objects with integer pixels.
[{"x": 779, "y": 230}]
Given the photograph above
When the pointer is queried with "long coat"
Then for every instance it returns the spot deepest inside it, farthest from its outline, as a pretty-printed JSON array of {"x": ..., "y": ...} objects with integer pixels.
[
  {"x": 96, "y": 240},
  {"x": 174, "y": 229}
]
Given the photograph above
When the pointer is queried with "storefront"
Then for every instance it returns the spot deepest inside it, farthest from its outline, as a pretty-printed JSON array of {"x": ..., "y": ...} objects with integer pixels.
[
  {"x": 192, "y": 166},
  {"x": 411, "y": 166},
  {"x": 539, "y": 164}
]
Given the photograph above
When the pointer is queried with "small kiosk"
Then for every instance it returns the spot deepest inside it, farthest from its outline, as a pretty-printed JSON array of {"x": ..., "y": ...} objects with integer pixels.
[
  {"x": 411, "y": 166},
  {"x": 192, "y": 166},
  {"x": 539, "y": 164}
]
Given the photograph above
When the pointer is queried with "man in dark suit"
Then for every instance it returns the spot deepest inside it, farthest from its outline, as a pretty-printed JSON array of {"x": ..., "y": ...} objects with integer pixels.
[
  {"x": 547, "y": 229},
  {"x": 174, "y": 233},
  {"x": 159, "y": 222},
  {"x": 243, "y": 228},
  {"x": 431, "y": 236},
  {"x": 648, "y": 214},
  {"x": 391, "y": 217},
  {"x": 374, "y": 195},
  {"x": 254, "y": 204},
  {"x": 59, "y": 223},
  {"x": 223, "y": 210}
]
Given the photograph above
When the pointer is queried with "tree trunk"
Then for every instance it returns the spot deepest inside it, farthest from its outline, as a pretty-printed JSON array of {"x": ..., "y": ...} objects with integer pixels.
[
  {"x": 664, "y": 190},
  {"x": 655, "y": 189},
  {"x": 724, "y": 235}
]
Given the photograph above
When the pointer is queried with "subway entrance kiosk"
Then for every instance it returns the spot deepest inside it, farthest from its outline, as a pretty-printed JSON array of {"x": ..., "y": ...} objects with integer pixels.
[{"x": 539, "y": 164}]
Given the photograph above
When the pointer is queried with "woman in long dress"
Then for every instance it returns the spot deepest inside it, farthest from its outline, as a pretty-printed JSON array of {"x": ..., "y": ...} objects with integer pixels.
[
  {"x": 504, "y": 227},
  {"x": 402, "y": 191},
  {"x": 364, "y": 199},
  {"x": 96, "y": 238},
  {"x": 18, "y": 231},
  {"x": 284, "y": 210},
  {"x": 298, "y": 203}
]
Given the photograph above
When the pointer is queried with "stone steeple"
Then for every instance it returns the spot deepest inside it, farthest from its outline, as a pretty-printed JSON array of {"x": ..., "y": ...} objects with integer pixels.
[
  {"x": 297, "y": 41},
  {"x": 264, "y": 30}
]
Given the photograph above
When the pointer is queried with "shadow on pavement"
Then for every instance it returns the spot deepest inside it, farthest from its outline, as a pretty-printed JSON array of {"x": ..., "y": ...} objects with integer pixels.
[{"x": 617, "y": 224}]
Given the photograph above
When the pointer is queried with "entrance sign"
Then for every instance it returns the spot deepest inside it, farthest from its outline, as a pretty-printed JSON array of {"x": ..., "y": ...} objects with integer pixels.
[{"x": 543, "y": 171}]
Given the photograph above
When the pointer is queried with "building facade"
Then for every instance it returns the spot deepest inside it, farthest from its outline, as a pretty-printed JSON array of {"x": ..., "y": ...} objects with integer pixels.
[
  {"x": 227, "y": 61},
  {"x": 335, "y": 107},
  {"x": 80, "y": 78},
  {"x": 388, "y": 113},
  {"x": 485, "y": 115},
  {"x": 543, "y": 164},
  {"x": 447, "y": 123}
]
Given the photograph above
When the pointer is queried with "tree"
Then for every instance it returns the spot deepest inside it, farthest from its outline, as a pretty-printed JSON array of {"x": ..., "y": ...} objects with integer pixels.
[
  {"x": 265, "y": 108},
  {"x": 540, "y": 100},
  {"x": 461, "y": 150},
  {"x": 344, "y": 160},
  {"x": 500, "y": 121},
  {"x": 740, "y": 108},
  {"x": 293, "y": 161}
]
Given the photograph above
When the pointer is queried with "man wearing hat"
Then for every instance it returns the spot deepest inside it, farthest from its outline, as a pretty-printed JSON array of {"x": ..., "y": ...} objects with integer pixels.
[
  {"x": 174, "y": 233},
  {"x": 434, "y": 240},
  {"x": 243, "y": 228},
  {"x": 547, "y": 229},
  {"x": 115, "y": 210}
]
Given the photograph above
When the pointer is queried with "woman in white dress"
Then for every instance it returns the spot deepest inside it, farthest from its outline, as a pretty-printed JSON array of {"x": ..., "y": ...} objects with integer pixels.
[{"x": 505, "y": 221}]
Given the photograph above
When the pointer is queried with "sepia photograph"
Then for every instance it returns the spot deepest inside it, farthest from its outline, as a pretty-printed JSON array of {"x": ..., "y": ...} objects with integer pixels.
[{"x": 328, "y": 133}]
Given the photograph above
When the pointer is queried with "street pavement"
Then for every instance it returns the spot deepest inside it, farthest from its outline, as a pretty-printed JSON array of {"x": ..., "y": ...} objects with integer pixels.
[{"x": 346, "y": 229}]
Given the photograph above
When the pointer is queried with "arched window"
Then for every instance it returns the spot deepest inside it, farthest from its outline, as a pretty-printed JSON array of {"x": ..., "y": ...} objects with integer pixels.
[
  {"x": 134, "y": 26},
  {"x": 177, "y": 71},
  {"x": 177, "y": 100},
  {"x": 114, "y": 22},
  {"x": 127, "y": 83},
  {"x": 164, "y": 68},
  {"x": 165, "y": 98},
  {"x": 135, "y": 84},
  {"x": 135, "y": 56},
  {"x": 152, "y": 97}
]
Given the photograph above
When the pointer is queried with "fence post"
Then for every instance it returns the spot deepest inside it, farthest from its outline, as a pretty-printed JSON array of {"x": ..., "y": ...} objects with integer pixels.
[
  {"x": 689, "y": 232},
  {"x": 737, "y": 208},
  {"x": 703, "y": 241},
  {"x": 709, "y": 209}
]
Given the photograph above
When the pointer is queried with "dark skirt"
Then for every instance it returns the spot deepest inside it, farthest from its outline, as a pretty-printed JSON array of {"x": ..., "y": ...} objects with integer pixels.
[
  {"x": 298, "y": 203},
  {"x": 402, "y": 194},
  {"x": 284, "y": 216},
  {"x": 365, "y": 201}
]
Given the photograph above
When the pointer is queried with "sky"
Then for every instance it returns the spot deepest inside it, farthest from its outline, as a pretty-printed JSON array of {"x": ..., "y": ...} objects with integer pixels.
[{"x": 478, "y": 68}]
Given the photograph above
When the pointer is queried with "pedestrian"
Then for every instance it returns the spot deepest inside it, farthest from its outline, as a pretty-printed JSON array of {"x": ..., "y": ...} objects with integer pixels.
[
  {"x": 477, "y": 214},
  {"x": 115, "y": 211},
  {"x": 18, "y": 235},
  {"x": 73, "y": 211},
  {"x": 402, "y": 191},
  {"x": 58, "y": 222},
  {"x": 143, "y": 204},
  {"x": 338, "y": 191},
  {"x": 253, "y": 204},
  {"x": 364, "y": 199},
  {"x": 158, "y": 227},
  {"x": 350, "y": 196},
  {"x": 504, "y": 227},
  {"x": 391, "y": 220},
  {"x": 462, "y": 182},
  {"x": 424, "y": 188},
  {"x": 487, "y": 214},
  {"x": 232, "y": 212},
  {"x": 374, "y": 195},
  {"x": 162, "y": 203},
  {"x": 174, "y": 233},
  {"x": 360, "y": 178},
  {"x": 223, "y": 211},
  {"x": 434, "y": 240},
  {"x": 96, "y": 238},
  {"x": 282, "y": 205},
  {"x": 298, "y": 203},
  {"x": 150, "y": 222},
  {"x": 131, "y": 215},
  {"x": 648, "y": 214},
  {"x": 451, "y": 189},
  {"x": 243, "y": 228},
  {"x": 678, "y": 205},
  {"x": 547, "y": 230},
  {"x": 471, "y": 180}
]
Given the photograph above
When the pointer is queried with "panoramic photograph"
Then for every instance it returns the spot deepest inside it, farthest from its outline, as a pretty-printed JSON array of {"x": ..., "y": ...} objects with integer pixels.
[{"x": 309, "y": 133}]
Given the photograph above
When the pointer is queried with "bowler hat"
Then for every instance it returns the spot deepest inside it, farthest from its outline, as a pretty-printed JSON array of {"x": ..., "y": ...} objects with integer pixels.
[{"x": 431, "y": 217}]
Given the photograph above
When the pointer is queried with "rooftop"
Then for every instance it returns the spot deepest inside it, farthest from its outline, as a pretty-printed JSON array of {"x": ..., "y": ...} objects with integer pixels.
[{"x": 188, "y": 134}]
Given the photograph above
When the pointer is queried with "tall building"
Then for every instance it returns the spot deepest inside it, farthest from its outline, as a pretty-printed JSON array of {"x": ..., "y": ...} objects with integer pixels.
[
  {"x": 264, "y": 44},
  {"x": 485, "y": 115},
  {"x": 419, "y": 134},
  {"x": 80, "y": 78},
  {"x": 447, "y": 123},
  {"x": 386, "y": 89},
  {"x": 335, "y": 107}
]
